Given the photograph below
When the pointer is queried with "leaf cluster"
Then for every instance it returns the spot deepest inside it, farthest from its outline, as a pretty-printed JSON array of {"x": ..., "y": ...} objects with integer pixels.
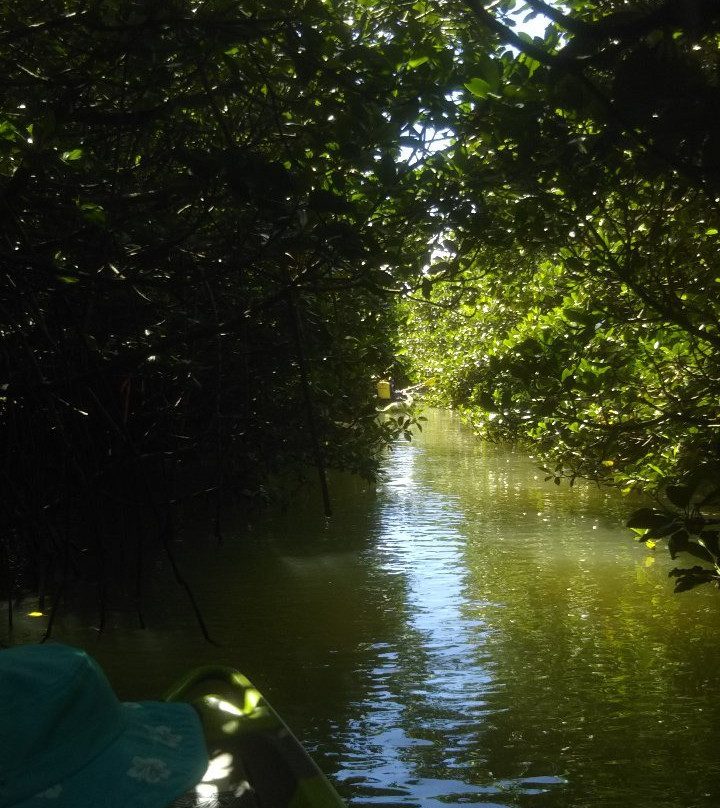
[
  {"x": 683, "y": 521},
  {"x": 201, "y": 203},
  {"x": 571, "y": 303}
]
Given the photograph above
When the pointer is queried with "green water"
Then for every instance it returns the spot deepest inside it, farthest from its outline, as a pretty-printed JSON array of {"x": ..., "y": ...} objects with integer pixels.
[{"x": 466, "y": 634}]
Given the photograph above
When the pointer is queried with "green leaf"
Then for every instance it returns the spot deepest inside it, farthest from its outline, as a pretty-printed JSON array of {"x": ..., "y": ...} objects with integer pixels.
[
  {"x": 92, "y": 213},
  {"x": 709, "y": 540},
  {"x": 479, "y": 87},
  {"x": 8, "y": 131},
  {"x": 647, "y": 518},
  {"x": 679, "y": 495},
  {"x": 386, "y": 170},
  {"x": 678, "y": 542},
  {"x": 531, "y": 64},
  {"x": 662, "y": 530}
]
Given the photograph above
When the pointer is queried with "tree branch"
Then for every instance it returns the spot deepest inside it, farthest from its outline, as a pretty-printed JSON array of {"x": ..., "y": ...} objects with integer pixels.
[
  {"x": 571, "y": 24},
  {"x": 509, "y": 36}
]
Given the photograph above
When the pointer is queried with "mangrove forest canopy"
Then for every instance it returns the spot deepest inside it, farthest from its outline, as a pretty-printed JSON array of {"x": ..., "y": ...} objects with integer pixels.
[{"x": 222, "y": 221}]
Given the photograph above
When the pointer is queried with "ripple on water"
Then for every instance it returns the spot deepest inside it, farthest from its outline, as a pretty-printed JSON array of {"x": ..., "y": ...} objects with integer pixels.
[{"x": 470, "y": 635}]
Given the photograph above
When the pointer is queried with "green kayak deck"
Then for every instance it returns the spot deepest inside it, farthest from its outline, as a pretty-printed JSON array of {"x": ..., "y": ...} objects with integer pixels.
[{"x": 255, "y": 760}]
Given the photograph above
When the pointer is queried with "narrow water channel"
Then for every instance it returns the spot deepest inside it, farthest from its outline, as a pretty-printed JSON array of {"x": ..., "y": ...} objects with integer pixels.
[{"x": 465, "y": 634}]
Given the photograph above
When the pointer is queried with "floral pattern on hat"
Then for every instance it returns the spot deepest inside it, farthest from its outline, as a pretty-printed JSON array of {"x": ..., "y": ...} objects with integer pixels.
[
  {"x": 68, "y": 741},
  {"x": 50, "y": 793},
  {"x": 149, "y": 770},
  {"x": 164, "y": 735}
]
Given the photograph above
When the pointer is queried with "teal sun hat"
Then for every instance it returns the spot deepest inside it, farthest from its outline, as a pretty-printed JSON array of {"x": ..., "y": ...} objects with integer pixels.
[{"x": 66, "y": 741}]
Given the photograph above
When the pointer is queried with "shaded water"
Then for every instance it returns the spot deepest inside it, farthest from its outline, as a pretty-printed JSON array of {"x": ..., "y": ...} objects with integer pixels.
[{"x": 466, "y": 634}]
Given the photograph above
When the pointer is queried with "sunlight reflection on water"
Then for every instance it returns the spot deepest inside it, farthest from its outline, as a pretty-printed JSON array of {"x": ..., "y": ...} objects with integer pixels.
[
  {"x": 445, "y": 686},
  {"x": 467, "y": 634}
]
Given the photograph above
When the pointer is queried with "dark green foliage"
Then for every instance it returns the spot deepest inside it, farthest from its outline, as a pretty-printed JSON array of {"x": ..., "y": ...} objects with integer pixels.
[
  {"x": 195, "y": 235},
  {"x": 682, "y": 518},
  {"x": 211, "y": 208}
]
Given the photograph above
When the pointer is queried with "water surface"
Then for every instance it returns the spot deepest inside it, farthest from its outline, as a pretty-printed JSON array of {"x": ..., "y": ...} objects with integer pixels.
[{"x": 466, "y": 634}]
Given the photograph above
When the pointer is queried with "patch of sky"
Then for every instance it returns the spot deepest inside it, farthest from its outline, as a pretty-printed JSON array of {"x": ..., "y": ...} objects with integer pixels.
[
  {"x": 422, "y": 140},
  {"x": 526, "y": 20}
]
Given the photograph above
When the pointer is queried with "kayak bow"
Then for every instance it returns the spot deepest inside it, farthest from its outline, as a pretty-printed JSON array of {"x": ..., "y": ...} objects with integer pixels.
[{"x": 255, "y": 760}]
